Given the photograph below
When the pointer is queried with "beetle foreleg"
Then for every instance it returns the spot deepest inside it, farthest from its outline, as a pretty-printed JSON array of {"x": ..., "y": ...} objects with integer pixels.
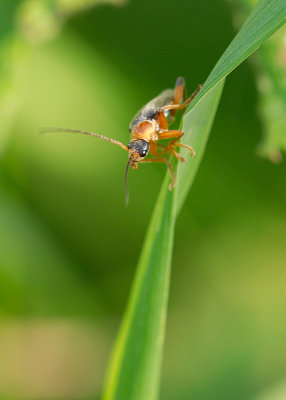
[
  {"x": 153, "y": 149},
  {"x": 185, "y": 146},
  {"x": 165, "y": 149},
  {"x": 176, "y": 134}
]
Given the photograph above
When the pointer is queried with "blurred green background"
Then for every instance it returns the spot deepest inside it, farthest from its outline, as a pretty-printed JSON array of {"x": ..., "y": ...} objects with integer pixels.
[{"x": 68, "y": 245}]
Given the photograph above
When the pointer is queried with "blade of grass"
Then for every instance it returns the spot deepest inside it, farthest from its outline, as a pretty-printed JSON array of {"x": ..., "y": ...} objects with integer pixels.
[
  {"x": 136, "y": 360},
  {"x": 135, "y": 366},
  {"x": 196, "y": 125},
  {"x": 266, "y": 18}
]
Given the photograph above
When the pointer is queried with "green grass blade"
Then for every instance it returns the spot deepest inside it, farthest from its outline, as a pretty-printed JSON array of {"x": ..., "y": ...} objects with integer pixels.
[
  {"x": 135, "y": 366},
  {"x": 196, "y": 125},
  {"x": 267, "y": 17}
]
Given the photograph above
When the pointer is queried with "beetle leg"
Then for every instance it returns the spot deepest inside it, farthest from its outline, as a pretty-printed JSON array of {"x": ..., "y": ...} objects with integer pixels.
[
  {"x": 185, "y": 146},
  {"x": 153, "y": 149},
  {"x": 174, "y": 152},
  {"x": 170, "y": 134},
  {"x": 180, "y": 91},
  {"x": 185, "y": 104},
  {"x": 166, "y": 149},
  {"x": 169, "y": 165},
  {"x": 162, "y": 120},
  {"x": 176, "y": 134}
]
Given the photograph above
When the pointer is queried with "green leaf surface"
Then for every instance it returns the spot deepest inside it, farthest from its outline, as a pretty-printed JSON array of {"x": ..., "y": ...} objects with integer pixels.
[
  {"x": 135, "y": 366},
  {"x": 267, "y": 17},
  {"x": 135, "y": 369},
  {"x": 196, "y": 125},
  {"x": 268, "y": 66}
]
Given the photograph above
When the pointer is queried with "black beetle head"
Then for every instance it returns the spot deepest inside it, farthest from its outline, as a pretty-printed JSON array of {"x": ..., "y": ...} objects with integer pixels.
[{"x": 138, "y": 149}]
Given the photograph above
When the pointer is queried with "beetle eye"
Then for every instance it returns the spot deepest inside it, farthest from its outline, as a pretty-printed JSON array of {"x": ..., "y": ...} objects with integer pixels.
[{"x": 143, "y": 153}]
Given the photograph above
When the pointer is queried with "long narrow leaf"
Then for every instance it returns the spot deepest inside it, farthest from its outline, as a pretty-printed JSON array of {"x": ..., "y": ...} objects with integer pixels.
[
  {"x": 136, "y": 361},
  {"x": 196, "y": 125},
  {"x": 135, "y": 366},
  {"x": 267, "y": 17}
]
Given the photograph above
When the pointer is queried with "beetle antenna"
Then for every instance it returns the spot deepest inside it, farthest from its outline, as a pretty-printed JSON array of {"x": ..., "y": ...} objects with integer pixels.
[
  {"x": 52, "y": 129},
  {"x": 126, "y": 183}
]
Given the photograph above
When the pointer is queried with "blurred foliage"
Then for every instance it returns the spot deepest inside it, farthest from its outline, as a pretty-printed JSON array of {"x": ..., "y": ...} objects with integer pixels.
[
  {"x": 21, "y": 23},
  {"x": 277, "y": 393},
  {"x": 270, "y": 66},
  {"x": 42, "y": 20},
  {"x": 8, "y": 98},
  {"x": 68, "y": 245}
]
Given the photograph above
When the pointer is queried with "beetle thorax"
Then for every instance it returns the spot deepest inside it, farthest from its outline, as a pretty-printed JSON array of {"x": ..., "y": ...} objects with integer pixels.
[{"x": 146, "y": 130}]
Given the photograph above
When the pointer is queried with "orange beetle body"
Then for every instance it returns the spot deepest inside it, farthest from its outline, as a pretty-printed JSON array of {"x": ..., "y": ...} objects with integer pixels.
[{"x": 150, "y": 125}]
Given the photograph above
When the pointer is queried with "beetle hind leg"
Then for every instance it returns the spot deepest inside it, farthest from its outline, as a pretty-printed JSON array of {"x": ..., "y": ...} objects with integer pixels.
[
  {"x": 180, "y": 91},
  {"x": 174, "y": 107}
]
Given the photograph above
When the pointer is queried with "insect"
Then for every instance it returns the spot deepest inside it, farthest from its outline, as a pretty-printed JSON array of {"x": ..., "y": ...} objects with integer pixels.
[{"x": 149, "y": 126}]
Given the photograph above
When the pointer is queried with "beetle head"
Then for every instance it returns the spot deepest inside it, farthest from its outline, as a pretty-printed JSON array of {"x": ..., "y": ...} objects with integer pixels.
[{"x": 138, "y": 150}]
